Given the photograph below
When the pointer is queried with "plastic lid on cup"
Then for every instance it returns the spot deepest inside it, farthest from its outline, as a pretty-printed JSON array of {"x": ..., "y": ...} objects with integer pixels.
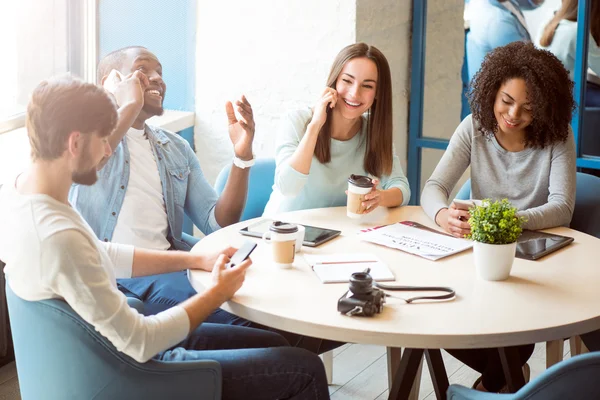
[
  {"x": 360, "y": 181},
  {"x": 283, "y": 227}
]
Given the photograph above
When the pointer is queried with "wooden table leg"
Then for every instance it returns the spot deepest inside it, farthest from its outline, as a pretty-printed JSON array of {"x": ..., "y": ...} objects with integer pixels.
[
  {"x": 439, "y": 377},
  {"x": 404, "y": 377},
  {"x": 394, "y": 354},
  {"x": 509, "y": 356}
]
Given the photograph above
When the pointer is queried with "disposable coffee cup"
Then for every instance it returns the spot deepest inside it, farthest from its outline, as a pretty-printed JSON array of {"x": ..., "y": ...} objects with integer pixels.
[
  {"x": 300, "y": 238},
  {"x": 358, "y": 187},
  {"x": 283, "y": 241}
]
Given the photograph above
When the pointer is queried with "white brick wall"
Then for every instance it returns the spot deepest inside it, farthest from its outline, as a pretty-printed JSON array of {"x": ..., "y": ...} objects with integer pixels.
[{"x": 276, "y": 52}]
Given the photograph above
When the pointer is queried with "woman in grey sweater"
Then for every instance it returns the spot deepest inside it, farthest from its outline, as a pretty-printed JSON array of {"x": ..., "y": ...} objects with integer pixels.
[{"x": 520, "y": 146}]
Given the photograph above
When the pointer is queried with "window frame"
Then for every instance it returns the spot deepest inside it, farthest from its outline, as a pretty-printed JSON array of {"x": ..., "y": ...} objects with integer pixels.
[{"x": 82, "y": 21}]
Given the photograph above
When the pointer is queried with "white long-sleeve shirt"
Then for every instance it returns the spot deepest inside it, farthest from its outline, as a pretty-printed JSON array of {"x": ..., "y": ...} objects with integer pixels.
[{"x": 51, "y": 252}]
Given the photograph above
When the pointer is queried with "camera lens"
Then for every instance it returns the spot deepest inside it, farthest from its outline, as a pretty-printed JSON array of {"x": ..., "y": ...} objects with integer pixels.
[{"x": 361, "y": 283}]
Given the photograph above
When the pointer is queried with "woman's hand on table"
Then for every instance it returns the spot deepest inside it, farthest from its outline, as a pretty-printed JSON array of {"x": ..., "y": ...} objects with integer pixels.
[{"x": 454, "y": 221}]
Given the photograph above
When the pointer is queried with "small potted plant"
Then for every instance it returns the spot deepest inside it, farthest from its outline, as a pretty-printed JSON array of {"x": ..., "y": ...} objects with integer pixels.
[{"x": 495, "y": 228}]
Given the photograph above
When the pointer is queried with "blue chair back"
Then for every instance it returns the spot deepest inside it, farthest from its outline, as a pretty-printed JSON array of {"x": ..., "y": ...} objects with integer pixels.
[
  {"x": 260, "y": 186},
  {"x": 586, "y": 216},
  {"x": 575, "y": 378},
  {"x": 465, "y": 191},
  {"x": 59, "y": 356},
  {"x": 590, "y": 136}
]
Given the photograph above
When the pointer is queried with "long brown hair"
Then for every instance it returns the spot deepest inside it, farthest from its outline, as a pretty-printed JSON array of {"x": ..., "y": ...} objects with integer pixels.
[
  {"x": 568, "y": 11},
  {"x": 379, "y": 152}
]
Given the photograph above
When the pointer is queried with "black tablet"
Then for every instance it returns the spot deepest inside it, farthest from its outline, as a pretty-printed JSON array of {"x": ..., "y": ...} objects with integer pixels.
[
  {"x": 313, "y": 236},
  {"x": 533, "y": 245}
]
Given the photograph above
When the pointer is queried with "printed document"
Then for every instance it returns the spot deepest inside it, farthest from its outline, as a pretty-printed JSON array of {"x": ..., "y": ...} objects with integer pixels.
[{"x": 415, "y": 238}]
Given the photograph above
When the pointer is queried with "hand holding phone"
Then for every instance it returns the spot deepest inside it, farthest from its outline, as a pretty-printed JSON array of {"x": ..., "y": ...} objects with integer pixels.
[{"x": 241, "y": 254}]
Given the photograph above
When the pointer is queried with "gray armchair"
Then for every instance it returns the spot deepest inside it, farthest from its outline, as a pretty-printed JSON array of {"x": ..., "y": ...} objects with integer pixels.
[{"x": 59, "y": 356}]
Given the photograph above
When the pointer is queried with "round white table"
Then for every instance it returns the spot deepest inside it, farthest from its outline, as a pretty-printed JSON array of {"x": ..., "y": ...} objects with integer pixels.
[{"x": 552, "y": 298}]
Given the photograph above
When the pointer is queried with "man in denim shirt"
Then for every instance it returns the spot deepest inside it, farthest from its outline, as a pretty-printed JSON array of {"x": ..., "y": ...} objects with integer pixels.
[
  {"x": 153, "y": 177},
  {"x": 490, "y": 24}
]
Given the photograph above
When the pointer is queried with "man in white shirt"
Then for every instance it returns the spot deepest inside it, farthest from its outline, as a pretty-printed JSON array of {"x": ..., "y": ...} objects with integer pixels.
[
  {"x": 153, "y": 178},
  {"x": 51, "y": 252}
]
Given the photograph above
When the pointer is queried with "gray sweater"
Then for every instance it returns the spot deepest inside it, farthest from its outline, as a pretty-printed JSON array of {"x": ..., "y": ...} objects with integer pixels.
[{"x": 539, "y": 182}]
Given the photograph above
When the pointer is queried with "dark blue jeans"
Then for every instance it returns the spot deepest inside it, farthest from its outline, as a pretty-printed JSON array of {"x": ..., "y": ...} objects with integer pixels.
[
  {"x": 160, "y": 292},
  {"x": 592, "y": 340},
  {"x": 487, "y": 363},
  {"x": 255, "y": 364}
]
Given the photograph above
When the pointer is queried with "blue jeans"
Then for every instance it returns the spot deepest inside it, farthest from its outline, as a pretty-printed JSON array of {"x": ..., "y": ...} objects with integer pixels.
[
  {"x": 160, "y": 292},
  {"x": 255, "y": 364}
]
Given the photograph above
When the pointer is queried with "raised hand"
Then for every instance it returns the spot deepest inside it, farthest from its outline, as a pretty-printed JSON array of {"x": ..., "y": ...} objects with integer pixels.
[
  {"x": 241, "y": 132},
  {"x": 327, "y": 99},
  {"x": 131, "y": 89}
]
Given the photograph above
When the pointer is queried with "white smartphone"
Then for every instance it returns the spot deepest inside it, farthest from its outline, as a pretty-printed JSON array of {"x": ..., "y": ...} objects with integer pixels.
[
  {"x": 463, "y": 204},
  {"x": 466, "y": 204},
  {"x": 112, "y": 80}
]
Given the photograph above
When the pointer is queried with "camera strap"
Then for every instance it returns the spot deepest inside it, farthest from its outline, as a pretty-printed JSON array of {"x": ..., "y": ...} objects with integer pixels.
[{"x": 449, "y": 292}]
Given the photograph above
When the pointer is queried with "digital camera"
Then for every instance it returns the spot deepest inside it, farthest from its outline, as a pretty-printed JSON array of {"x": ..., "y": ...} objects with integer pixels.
[{"x": 361, "y": 298}]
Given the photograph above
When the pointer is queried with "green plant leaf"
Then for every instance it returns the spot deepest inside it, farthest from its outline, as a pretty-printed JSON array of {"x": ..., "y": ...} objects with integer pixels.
[{"x": 495, "y": 222}]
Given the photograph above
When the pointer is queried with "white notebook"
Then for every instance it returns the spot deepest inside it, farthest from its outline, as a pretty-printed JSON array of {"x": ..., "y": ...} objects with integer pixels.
[{"x": 337, "y": 268}]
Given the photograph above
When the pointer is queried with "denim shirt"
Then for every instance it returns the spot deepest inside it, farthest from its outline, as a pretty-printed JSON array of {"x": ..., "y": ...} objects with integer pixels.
[
  {"x": 492, "y": 26},
  {"x": 185, "y": 189}
]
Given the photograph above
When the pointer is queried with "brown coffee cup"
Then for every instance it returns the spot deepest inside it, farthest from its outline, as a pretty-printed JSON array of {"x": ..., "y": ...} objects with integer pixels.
[
  {"x": 283, "y": 242},
  {"x": 358, "y": 187}
]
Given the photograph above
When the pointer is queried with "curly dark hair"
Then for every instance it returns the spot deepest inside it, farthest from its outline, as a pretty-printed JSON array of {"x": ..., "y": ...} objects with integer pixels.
[{"x": 549, "y": 90}]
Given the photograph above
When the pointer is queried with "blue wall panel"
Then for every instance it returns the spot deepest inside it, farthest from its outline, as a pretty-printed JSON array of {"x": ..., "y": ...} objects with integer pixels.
[{"x": 167, "y": 28}]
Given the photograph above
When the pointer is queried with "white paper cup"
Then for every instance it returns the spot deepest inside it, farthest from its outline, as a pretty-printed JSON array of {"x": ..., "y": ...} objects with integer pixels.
[
  {"x": 283, "y": 245},
  {"x": 356, "y": 194}
]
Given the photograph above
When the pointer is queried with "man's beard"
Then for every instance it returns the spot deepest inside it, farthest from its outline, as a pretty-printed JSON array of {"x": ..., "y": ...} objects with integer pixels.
[
  {"x": 153, "y": 110},
  {"x": 86, "y": 178}
]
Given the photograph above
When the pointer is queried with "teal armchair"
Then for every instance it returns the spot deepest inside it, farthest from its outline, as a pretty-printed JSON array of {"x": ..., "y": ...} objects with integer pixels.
[
  {"x": 59, "y": 356},
  {"x": 575, "y": 378},
  {"x": 260, "y": 186}
]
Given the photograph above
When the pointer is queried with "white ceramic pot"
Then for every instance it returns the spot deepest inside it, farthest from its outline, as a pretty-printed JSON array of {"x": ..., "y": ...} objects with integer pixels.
[{"x": 493, "y": 262}]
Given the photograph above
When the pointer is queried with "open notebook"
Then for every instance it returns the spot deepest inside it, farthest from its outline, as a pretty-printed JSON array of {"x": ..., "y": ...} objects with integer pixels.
[{"x": 337, "y": 268}]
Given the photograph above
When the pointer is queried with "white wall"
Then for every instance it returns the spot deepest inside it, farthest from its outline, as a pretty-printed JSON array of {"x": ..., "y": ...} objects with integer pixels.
[{"x": 278, "y": 53}]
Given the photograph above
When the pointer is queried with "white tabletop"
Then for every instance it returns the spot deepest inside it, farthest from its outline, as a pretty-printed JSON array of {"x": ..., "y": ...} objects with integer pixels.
[{"x": 552, "y": 298}]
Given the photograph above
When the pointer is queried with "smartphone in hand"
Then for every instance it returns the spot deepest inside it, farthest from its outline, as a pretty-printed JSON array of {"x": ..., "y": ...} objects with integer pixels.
[
  {"x": 241, "y": 254},
  {"x": 463, "y": 204},
  {"x": 112, "y": 80}
]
